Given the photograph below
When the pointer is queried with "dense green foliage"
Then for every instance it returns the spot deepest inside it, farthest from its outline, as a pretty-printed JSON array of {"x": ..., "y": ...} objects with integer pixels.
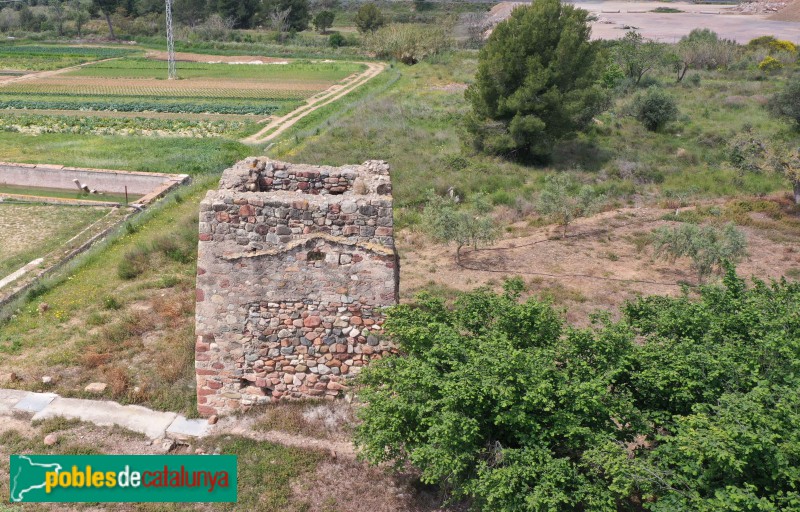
[
  {"x": 683, "y": 405},
  {"x": 655, "y": 108},
  {"x": 536, "y": 82},
  {"x": 324, "y": 20}
]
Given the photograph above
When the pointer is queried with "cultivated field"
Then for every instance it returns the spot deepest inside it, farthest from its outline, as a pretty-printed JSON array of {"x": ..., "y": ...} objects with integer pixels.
[{"x": 118, "y": 81}]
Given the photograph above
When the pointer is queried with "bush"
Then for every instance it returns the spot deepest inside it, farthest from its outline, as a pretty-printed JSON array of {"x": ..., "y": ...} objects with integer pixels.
[
  {"x": 324, "y": 20},
  {"x": 770, "y": 64},
  {"x": 709, "y": 248},
  {"x": 133, "y": 263},
  {"x": 563, "y": 201},
  {"x": 336, "y": 40},
  {"x": 786, "y": 103},
  {"x": 655, "y": 108},
  {"x": 408, "y": 43}
]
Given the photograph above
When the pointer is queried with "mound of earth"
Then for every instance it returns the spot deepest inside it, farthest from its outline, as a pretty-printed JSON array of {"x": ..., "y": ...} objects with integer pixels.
[
  {"x": 196, "y": 57},
  {"x": 789, "y": 13}
]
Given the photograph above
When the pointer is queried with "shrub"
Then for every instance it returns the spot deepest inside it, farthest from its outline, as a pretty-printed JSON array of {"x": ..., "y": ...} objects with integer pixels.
[
  {"x": 562, "y": 201},
  {"x": 133, "y": 263},
  {"x": 709, "y": 248},
  {"x": 408, "y": 43},
  {"x": 336, "y": 40},
  {"x": 786, "y": 103},
  {"x": 770, "y": 64},
  {"x": 655, "y": 108},
  {"x": 637, "y": 56}
]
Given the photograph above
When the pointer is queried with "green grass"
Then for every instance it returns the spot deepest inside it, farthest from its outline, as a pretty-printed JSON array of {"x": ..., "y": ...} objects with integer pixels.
[
  {"x": 417, "y": 127},
  {"x": 91, "y": 295},
  {"x": 148, "y": 154},
  {"x": 53, "y": 224}
]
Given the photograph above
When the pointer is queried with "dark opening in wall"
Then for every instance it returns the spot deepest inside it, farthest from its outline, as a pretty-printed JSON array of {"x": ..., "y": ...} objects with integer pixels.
[{"x": 315, "y": 256}]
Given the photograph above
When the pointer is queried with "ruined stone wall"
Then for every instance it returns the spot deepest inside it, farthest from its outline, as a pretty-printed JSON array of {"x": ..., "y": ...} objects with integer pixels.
[{"x": 294, "y": 264}]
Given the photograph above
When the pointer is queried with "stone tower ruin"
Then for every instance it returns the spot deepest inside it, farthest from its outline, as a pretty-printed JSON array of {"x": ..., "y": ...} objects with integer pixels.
[{"x": 295, "y": 263}]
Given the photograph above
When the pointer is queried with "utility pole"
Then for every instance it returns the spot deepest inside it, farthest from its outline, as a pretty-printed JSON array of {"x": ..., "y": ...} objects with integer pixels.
[{"x": 172, "y": 73}]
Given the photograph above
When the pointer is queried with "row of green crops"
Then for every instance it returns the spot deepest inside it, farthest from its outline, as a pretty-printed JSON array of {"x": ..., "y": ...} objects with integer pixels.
[
  {"x": 95, "y": 52},
  {"x": 36, "y": 124},
  {"x": 151, "y": 105},
  {"x": 300, "y": 71},
  {"x": 52, "y": 87}
]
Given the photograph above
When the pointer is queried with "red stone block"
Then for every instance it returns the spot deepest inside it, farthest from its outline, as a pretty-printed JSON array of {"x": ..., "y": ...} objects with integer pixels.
[
  {"x": 204, "y": 237},
  {"x": 214, "y": 384},
  {"x": 206, "y": 410},
  {"x": 200, "y": 295}
]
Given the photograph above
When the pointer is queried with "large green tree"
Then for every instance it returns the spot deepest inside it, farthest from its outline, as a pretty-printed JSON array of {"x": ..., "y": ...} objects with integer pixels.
[
  {"x": 685, "y": 404},
  {"x": 537, "y": 81}
]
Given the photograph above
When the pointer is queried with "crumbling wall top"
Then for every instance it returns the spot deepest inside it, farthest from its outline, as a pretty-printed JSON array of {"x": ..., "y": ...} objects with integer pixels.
[{"x": 265, "y": 175}]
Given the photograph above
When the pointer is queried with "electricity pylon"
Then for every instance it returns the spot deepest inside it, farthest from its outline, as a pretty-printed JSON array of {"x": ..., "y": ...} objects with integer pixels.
[{"x": 172, "y": 72}]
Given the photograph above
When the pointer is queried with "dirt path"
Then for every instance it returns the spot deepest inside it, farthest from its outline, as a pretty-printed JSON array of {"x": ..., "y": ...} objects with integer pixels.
[
  {"x": 47, "y": 74},
  {"x": 279, "y": 125}
]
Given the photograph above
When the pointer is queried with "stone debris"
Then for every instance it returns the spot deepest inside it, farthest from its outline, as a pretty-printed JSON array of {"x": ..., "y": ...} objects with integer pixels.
[
  {"x": 50, "y": 439},
  {"x": 47, "y": 379},
  {"x": 295, "y": 263},
  {"x": 96, "y": 387}
]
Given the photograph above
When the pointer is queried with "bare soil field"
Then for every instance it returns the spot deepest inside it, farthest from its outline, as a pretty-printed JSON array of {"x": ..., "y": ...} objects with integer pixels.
[
  {"x": 604, "y": 261},
  {"x": 615, "y": 18},
  {"x": 197, "y": 57}
]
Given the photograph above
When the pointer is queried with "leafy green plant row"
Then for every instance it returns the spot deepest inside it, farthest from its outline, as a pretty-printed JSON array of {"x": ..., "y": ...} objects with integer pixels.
[
  {"x": 145, "y": 106},
  {"x": 36, "y": 51},
  {"x": 28, "y": 90},
  {"x": 37, "y": 124}
]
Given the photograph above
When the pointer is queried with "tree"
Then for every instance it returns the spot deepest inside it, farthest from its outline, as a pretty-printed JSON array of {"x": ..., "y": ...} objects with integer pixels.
[
  {"x": 655, "y": 108},
  {"x": 58, "y": 14},
  {"x": 107, "y": 7},
  {"x": 637, "y": 56},
  {"x": 563, "y": 201},
  {"x": 369, "y": 18},
  {"x": 242, "y": 12},
  {"x": 448, "y": 223},
  {"x": 703, "y": 49},
  {"x": 79, "y": 12},
  {"x": 709, "y": 248},
  {"x": 190, "y": 12},
  {"x": 323, "y": 21},
  {"x": 279, "y": 21},
  {"x": 684, "y": 404},
  {"x": 537, "y": 82},
  {"x": 299, "y": 15}
]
